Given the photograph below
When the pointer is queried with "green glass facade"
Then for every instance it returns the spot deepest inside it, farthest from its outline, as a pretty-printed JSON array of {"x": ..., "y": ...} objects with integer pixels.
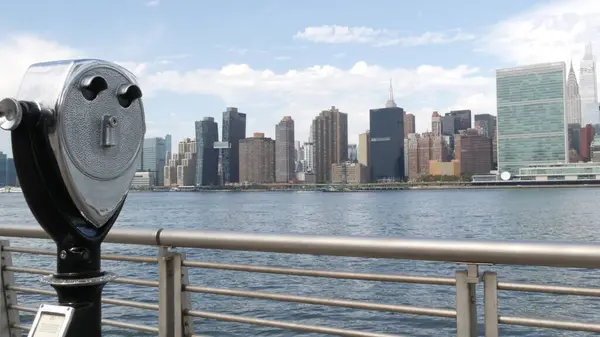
[{"x": 531, "y": 116}]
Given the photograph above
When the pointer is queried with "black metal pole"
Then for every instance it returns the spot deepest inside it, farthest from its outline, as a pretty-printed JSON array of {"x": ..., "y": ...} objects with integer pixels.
[{"x": 78, "y": 283}]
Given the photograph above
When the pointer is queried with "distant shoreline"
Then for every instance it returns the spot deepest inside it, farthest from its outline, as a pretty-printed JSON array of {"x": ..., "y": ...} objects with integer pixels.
[{"x": 400, "y": 187}]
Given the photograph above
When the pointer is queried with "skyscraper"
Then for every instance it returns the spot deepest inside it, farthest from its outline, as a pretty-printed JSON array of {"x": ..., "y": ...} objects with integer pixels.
[
  {"x": 3, "y": 166},
  {"x": 284, "y": 150},
  {"x": 531, "y": 118},
  {"x": 330, "y": 139},
  {"x": 352, "y": 152},
  {"x": 153, "y": 157},
  {"x": 11, "y": 172},
  {"x": 257, "y": 159},
  {"x": 409, "y": 124},
  {"x": 309, "y": 157},
  {"x": 436, "y": 124},
  {"x": 487, "y": 124},
  {"x": 364, "y": 143},
  {"x": 386, "y": 152},
  {"x": 234, "y": 130},
  {"x": 573, "y": 99},
  {"x": 588, "y": 88},
  {"x": 168, "y": 148},
  {"x": 186, "y": 165},
  {"x": 207, "y": 157}
]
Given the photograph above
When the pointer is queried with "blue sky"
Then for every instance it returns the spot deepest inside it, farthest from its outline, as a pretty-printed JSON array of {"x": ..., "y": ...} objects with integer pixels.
[{"x": 272, "y": 58}]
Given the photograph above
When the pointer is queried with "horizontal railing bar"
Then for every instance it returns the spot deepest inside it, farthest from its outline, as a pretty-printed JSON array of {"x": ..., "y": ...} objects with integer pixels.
[
  {"x": 325, "y": 301},
  {"x": 549, "y": 289},
  {"x": 323, "y": 273},
  {"x": 122, "y": 280},
  {"x": 549, "y": 324},
  {"x": 283, "y": 325},
  {"x": 23, "y": 308},
  {"x": 21, "y": 327},
  {"x": 131, "y": 326},
  {"x": 109, "y": 257},
  {"x": 117, "y": 324},
  {"x": 113, "y": 301},
  {"x": 569, "y": 255}
]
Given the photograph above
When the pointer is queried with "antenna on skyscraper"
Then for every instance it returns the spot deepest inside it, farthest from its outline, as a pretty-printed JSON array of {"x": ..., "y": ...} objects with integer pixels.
[{"x": 390, "y": 103}]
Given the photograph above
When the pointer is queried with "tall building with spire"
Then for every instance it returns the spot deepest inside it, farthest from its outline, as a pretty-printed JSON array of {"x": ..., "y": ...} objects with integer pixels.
[
  {"x": 386, "y": 133},
  {"x": 391, "y": 103},
  {"x": 573, "y": 99},
  {"x": 588, "y": 88}
]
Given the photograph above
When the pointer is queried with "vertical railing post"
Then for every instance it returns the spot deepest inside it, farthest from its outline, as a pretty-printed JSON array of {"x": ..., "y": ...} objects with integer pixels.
[
  {"x": 466, "y": 306},
  {"x": 166, "y": 301},
  {"x": 490, "y": 303},
  {"x": 183, "y": 324},
  {"x": 8, "y": 317}
]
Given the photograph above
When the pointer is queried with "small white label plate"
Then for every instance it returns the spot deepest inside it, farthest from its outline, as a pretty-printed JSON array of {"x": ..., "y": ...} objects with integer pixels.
[{"x": 51, "y": 321}]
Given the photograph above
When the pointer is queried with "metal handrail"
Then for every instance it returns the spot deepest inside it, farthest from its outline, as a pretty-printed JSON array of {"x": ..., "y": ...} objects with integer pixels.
[
  {"x": 469, "y": 252},
  {"x": 549, "y": 254}
]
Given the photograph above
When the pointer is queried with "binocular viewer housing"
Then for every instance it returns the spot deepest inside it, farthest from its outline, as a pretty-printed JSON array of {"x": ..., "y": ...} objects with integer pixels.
[
  {"x": 77, "y": 128},
  {"x": 85, "y": 122}
]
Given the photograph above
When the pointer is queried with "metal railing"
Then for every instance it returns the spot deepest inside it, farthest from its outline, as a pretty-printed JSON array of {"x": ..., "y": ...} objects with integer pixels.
[{"x": 175, "y": 313}]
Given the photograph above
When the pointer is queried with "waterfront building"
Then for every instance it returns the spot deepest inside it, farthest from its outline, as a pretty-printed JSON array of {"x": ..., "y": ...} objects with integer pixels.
[
  {"x": 448, "y": 168},
  {"x": 349, "y": 173},
  {"x": 588, "y": 89},
  {"x": 595, "y": 150},
  {"x": 234, "y": 130},
  {"x": 560, "y": 172},
  {"x": 386, "y": 149},
  {"x": 143, "y": 180},
  {"x": 531, "y": 120},
  {"x": 207, "y": 157},
  {"x": 257, "y": 159},
  {"x": 330, "y": 138},
  {"x": 285, "y": 167}
]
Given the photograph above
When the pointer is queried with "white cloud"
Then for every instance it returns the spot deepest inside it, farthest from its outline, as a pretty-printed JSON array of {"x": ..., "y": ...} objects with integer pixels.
[
  {"x": 554, "y": 32},
  {"x": 267, "y": 95},
  {"x": 378, "y": 37},
  {"x": 17, "y": 53},
  {"x": 153, "y": 3}
]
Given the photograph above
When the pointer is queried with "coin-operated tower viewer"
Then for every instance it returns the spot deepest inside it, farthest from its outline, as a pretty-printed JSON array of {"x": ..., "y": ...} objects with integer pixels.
[{"x": 77, "y": 128}]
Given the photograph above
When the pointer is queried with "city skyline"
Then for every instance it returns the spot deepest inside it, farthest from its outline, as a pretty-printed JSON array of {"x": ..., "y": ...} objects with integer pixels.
[{"x": 300, "y": 65}]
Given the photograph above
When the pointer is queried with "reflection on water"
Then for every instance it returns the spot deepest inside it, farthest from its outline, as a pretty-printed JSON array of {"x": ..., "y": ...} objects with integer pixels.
[{"x": 545, "y": 214}]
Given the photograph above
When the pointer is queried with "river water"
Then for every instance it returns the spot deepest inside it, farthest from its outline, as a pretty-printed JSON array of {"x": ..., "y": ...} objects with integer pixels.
[{"x": 565, "y": 214}]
